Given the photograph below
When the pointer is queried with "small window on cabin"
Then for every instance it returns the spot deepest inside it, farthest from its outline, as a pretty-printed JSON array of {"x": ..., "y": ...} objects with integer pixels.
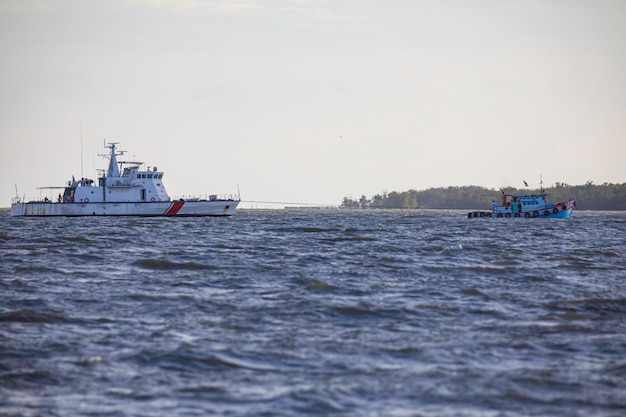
[
  {"x": 149, "y": 175},
  {"x": 138, "y": 175},
  {"x": 143, "y": 175}
]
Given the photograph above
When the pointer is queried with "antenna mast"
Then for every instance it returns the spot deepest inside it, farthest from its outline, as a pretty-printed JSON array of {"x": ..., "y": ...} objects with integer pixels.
[{"x": 81, "y": 150}]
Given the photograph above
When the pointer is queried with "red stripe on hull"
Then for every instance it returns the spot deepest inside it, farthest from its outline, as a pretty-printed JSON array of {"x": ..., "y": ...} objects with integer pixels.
[{"x": 174, "y": 208}]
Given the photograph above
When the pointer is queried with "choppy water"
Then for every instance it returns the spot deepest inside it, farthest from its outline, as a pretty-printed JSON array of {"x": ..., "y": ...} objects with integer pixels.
[{"x": 313, "y": 313}]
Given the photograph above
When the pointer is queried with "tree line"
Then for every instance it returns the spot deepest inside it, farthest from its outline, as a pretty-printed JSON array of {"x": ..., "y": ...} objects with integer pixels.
[{"x": 588, "y": 197}]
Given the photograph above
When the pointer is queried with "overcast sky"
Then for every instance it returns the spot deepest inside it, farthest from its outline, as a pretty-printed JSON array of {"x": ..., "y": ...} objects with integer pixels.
[{"x": 311, "y": 101}]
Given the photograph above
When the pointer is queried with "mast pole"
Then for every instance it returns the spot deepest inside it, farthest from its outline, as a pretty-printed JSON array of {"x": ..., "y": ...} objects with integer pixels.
[{"x": 81, "y": 150}]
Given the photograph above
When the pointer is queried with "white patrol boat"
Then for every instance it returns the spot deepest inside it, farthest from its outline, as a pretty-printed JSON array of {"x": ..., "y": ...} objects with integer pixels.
[
  {"x": 131, "y": 192},
  {"x": 529, "y": 206}
]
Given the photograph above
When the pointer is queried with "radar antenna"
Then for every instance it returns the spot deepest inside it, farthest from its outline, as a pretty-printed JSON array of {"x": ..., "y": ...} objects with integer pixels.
[{"x": 113, "y": 170}]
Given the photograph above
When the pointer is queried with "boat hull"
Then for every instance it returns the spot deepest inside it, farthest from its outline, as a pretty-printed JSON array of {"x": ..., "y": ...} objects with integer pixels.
[
  {"x": 538, "y": 214},
  {"x": 178, "y": 208}
]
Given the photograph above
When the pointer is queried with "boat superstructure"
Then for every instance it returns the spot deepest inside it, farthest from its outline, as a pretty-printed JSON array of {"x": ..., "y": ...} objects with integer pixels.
[{"x": 124, "y": 189}]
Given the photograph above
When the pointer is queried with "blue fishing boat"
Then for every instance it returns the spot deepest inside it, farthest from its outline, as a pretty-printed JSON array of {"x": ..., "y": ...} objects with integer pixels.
[{"x": 528, "y": 206}]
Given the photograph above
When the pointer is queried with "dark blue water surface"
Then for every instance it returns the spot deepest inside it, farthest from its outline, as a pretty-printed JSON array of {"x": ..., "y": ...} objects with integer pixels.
[{"x": 313, "y": 313}]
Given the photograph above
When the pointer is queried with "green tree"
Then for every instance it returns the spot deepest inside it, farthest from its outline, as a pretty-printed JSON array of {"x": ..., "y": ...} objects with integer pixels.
[{"x": 588, "y": 197}]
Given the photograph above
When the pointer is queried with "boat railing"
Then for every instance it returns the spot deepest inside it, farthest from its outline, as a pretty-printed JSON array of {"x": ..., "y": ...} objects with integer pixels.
[{"x": 207, "y": 197}]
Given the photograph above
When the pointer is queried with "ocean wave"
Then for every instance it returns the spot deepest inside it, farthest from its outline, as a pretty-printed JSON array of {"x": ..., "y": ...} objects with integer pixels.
[
  {"x": 163, "y": 264},
  {"x": 31, "y": 316}
]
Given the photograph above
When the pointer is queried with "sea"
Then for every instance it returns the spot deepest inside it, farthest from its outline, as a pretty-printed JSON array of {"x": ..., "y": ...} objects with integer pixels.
[{"x": 313, "y": 312}]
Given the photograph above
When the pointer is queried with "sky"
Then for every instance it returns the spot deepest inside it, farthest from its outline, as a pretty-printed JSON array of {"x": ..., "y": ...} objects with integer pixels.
[{"x": 311, "y": 101}]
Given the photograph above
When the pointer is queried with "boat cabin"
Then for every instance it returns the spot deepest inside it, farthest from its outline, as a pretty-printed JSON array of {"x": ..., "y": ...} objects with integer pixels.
[{"x": 130, "y": 185}]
